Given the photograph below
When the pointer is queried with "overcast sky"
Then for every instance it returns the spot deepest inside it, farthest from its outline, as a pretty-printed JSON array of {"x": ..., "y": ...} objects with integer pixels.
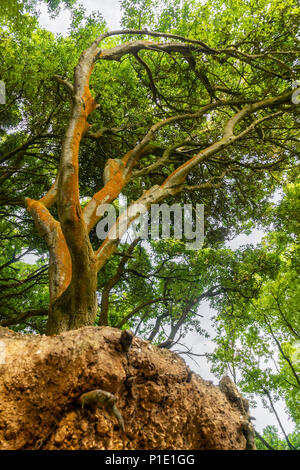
[{"x": 111, "y": 12}]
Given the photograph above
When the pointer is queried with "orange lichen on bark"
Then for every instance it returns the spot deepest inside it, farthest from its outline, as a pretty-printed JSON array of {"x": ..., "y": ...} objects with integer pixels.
[
  {"x": 111, "y": 190},
  {"x": 69, "y": 194},
  {"x": 49, "y": 199},
  {"x": 60, "y": 267},
  {"x": 126, "y": 157},
  {"x": 109, "y": 245},
  {"x": 41, "y": 214},
  {"x": 114, "y": 169},
  {"x": 115, "y": 181},
  {"x": 177, "y": 177},
  {"x": 130, "y": 158},
  {"x": 64, "y": 263},
  {"x": 88, "y": 100},
  {"x": 116, "y": 177}
]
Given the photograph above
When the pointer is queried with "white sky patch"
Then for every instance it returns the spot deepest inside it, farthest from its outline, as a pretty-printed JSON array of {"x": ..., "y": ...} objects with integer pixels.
[
  {"x": 255, "y": 237},
  {"x": 201, "y": 366},
  {"x": 58, "y": 25},
  {"x": 110, "y": 10},
  {"x": 30, "y": 259}
]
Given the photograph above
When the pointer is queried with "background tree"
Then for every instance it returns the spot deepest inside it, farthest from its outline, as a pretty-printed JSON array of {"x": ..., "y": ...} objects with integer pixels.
[
  {"x": 271, "y": 441},
  {"x": 258, "y": 337}
]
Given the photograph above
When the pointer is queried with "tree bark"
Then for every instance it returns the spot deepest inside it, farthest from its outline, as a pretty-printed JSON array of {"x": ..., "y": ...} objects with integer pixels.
[{"x": 77, "y": 306}]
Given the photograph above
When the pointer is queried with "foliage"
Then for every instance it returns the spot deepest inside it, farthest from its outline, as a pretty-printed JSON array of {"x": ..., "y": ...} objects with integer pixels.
[
  {"x": 157, "y": 287},
  {"x": 270, "y": 435},
  {"x": 258, "y": 337}
]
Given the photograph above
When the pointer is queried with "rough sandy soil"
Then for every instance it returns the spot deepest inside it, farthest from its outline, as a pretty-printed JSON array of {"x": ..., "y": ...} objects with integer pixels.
[{"x": 163, "y": 404}]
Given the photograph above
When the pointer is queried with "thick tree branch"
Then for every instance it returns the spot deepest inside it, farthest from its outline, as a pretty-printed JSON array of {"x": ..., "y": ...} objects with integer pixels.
[
  {"x": 50, "y": 198},
  {"x": 212, "y": 292},
  {"x": 66, "y": 83},
  {"x": 154, "y": 34},
  {"x": 115, "y": 178},
  {"x": 138, "y": 308},
  {"x": 60, "y": 265},
  {"x": 285, "y": 357},
  {"x": 24, "y": 316},
  {"x": 103, "y": 319},
  {"x": 36, "y": 274},
  {"x": 210, "y": 184},
  {"x": 267, "y": 393},
  {"x": 104, "y": 130},
  {"x": 265, "y": 443}
]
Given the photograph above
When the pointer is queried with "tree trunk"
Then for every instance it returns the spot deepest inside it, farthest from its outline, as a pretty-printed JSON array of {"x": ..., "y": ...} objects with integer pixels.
[{"x": 77, "y": 305}]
